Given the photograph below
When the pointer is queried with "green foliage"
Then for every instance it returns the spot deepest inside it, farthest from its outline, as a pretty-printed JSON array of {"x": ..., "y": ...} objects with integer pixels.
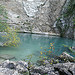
[
  {"x": 3, "y": 18},
  {"x": 11, "y": 37},
  {"x": 18, "y": 16},
  {"x": 62, "y": 29},
  {"x": 29, "y": 60},
  {"x": 74, "y": 22},
  {"x": 70, "y": 9},
  {"x": 67, "y": 14},
  {"x": 45, "y": 54},
  {"x": 25, "y": 73}
]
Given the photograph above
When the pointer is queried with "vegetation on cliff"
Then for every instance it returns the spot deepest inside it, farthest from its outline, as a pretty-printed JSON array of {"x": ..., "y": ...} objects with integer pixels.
[
  {"x": 11, "y": 38},
  {"x": 66, "y": 22}
]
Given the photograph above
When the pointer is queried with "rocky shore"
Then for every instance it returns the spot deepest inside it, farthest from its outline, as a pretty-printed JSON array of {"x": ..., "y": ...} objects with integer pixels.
[
  {"x": 66, "y": 67},
  {"x": 21, "y": 68}
]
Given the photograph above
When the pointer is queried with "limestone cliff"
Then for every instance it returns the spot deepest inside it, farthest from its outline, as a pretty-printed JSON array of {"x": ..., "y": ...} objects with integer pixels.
[
  {"x": 38, "y": 16},
  {"x": 66, "y": 21},
  {"x": 33, "y": 15}
]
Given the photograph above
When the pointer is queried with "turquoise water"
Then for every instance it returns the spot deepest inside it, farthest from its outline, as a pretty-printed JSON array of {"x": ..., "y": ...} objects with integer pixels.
[{"x": 31, "y": 43}]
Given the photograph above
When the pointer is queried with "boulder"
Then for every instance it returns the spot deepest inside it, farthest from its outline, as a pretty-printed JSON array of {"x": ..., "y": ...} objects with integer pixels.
[
  {"x": 66, "y": 57},
  {"x": 6, "y": 71},
  {"x": 42, "y": 70},
  {"x": 11, "y": 66},
  {"x": 65, "y": 68},
  {"x": 7, "y": 57},
  {"x": 19, "y": 67}
]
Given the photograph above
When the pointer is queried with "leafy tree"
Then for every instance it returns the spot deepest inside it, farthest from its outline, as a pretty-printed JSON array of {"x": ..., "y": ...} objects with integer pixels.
[{"x": 11, "y": 38}]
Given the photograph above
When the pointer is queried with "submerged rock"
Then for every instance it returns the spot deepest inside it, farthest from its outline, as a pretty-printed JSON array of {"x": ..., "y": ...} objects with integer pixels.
[
  {"x": 7, "y": 57},
  {"x": 66, "y": 57}
]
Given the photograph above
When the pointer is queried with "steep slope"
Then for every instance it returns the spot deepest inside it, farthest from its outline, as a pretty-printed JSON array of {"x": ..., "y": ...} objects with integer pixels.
[
  {"x": 66, "y": 22},
  {"x": 34, "y": 16}
]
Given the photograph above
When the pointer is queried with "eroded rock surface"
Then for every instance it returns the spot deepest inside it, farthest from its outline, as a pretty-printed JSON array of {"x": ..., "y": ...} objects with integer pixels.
[
  {"x": 21, "y": 68},
  {"x": 33, "y": 16}
]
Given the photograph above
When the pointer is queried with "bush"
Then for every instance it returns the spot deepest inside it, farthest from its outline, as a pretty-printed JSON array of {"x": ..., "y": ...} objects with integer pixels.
[{"x": 11, "y": 36}]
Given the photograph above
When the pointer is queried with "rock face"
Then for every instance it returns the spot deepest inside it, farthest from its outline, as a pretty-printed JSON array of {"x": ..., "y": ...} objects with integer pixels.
[
  {"x": 33, "y": 15},
  {"x": 13, "y": 68},
  {"x": 56, "y": 69},
  {"x": 64, "y": 56},
  {"x": 65, "y": 68},
  {"x": 66, "y": 22},
  {"x": 21, "y": 68}
]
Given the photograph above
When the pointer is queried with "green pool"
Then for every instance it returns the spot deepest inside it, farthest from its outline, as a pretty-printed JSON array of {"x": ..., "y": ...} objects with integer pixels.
[{"x": 31, "y": 43}]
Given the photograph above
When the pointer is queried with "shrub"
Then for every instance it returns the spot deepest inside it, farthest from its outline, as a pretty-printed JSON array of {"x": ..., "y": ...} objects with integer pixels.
[{"x": 11, "y": 36}]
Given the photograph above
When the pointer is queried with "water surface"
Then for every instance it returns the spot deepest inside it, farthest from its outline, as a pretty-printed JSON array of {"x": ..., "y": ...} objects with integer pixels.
[{"x": 31, "y": 43}]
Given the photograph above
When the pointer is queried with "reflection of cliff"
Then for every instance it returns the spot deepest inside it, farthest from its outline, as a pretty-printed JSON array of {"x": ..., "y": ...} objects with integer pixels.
[{"x": 33, "y": 16}]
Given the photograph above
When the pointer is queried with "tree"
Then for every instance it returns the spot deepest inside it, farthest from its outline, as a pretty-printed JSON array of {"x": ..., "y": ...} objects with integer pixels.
[{"x": 11, "y": 37}]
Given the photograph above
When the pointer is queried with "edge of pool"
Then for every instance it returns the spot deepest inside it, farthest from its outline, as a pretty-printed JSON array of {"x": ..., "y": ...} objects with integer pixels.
[{"x": 41, "y": 33}]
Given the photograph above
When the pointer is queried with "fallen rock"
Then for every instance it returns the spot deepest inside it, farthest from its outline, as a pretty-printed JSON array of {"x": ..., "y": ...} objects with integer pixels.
[
  {"x": 42, "y": 70},
  {"x": 66, "y": 57},
  {"x": 6, "y": 71},
  {"x": 11, "y": 66},
  {"x": 20, "y": 66},
  {"x": 65, "y": 68}
]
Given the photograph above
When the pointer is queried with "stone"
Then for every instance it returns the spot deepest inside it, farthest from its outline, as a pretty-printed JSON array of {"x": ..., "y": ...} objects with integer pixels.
[
  {"x": 66, "y": 57},
  {"x": 23, "y": 63},
  {"x": 6, "y": 71},
  {"x": 7, "y": 57},
  {"x": 8, "y": 64},
  {"x": 17, "y": 67},
  {"x": 41, "y": 70},
  {"x": 11, "y": 66},
  {"x": 38, "y": 14},
  {"x": 20, "y": 68},
  {"x": 65, "y": 68},
  {"x": 65, "y": 24},
  {"x": 35, "y": 74}
]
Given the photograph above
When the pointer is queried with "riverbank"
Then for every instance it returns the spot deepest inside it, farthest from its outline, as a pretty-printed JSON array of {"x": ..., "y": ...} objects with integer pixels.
[
  {"x": 39, "y": 33},
  {"x": 46, "y": 67},
  {"x": 21, "y": 68}
]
